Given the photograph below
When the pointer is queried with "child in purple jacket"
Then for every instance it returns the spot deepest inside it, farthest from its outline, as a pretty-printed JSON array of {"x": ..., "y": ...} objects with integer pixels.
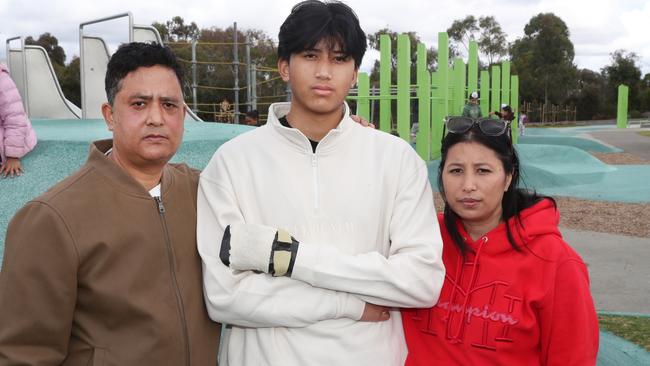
[{"x": 17, "y": 137}]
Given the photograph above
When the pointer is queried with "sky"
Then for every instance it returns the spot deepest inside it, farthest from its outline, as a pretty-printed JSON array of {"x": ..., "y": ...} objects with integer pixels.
[{"x": 597, "y": 27}]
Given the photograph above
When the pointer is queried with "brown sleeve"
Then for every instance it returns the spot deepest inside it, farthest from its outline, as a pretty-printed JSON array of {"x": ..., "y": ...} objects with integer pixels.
[{"x": 38, "y": 288}]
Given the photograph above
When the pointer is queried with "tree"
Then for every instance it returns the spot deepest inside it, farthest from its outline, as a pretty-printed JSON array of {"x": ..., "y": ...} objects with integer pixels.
[
  {"x": 215, "y": 67},
  {"x": 175, "y": 30},
  {"x": 588, "y": 96},
  {"x": 70, "y": 81},
  {"x": 543, "y": 59},
  {"x": 373, "y": 39},
  {"x": 486, "y": 31},
  {"x": 51, "y": 45},
  {"x": 623, "y": 70}
]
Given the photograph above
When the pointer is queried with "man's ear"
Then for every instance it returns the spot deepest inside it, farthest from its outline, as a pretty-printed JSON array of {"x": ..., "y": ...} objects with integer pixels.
[
  {"x": 107, "y": 112},
  {"x": 283, "y": 69}
]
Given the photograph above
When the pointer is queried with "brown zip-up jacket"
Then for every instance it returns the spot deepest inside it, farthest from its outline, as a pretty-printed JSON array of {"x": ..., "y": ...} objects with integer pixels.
[{"x": 97, "y": 272}]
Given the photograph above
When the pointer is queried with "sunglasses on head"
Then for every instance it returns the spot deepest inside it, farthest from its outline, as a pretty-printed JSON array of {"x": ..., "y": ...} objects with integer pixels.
[{"x": 489, "y": 126}]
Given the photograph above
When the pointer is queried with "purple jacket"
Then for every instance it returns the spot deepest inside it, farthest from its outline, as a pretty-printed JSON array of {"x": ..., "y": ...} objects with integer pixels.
[{"x": 17, "y": 137}]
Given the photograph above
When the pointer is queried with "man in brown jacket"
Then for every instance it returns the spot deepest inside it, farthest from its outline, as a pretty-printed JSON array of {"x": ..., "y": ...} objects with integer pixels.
[{"x": 103, "y": 269}]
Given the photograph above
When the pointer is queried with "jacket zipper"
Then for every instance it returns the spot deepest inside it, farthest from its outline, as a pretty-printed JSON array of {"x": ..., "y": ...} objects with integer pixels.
[
  {"x": 179, "y": 298},
  {"x": 314, "y": 170}
]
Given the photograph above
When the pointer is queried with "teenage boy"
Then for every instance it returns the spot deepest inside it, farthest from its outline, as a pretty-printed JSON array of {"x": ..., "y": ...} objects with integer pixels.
[{"x": 361, "y": 235}]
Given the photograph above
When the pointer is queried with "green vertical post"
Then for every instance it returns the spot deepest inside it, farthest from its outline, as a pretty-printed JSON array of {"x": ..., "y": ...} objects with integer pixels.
[
  {"x": 385, "y": 62},
  {"x": 437, "y": 114},
  {"x": 496, "y": 88},
  {"x": 505, "y": 83},
  {"x": 458, "y": 87},
  {"x": 514, "y": 103},
  {"x": 363, "y": 100},
  {"x": 422, "y": 139},
  {"x": 485, "y": 93},
  {"x": 404, "y": 86},
  {"x": 472, "y": 68},
  {"x": 442, "y": 97},
  {"x": 621, "y": 112}
]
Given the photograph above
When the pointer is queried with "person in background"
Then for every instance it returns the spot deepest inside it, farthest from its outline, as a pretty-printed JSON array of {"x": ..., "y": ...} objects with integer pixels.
[
  {"x": 505, "y": 114},
  {"x": 472, "y": 109},
  {"x": 252, "y": 118},
  {"x": 17, "y": 137},
  {"x": 523, "y": 120},
  {"x": 515, "y": 292}
]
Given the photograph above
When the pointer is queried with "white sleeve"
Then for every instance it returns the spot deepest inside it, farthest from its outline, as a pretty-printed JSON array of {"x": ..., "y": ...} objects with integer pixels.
[
  {"x": 411, "y": 275},
  {"x": 249, "y": 299}
]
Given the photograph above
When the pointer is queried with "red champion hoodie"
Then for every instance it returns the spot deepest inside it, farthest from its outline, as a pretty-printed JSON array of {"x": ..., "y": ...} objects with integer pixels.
[{"x": 507, "y": 307}]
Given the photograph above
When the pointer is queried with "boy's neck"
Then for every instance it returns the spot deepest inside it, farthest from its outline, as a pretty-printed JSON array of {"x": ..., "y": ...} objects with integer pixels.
[{"x": 314, "y": 126}]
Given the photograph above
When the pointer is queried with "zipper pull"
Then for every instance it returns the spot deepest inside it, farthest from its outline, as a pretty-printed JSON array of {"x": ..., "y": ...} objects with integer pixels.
[{"x": 161, "y": 208}]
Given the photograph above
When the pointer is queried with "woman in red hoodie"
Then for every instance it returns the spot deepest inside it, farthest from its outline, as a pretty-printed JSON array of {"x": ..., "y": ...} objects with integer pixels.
[{"x": 515, "y": 293}]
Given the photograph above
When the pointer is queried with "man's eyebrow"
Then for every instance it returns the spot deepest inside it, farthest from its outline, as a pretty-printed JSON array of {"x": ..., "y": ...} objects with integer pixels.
[
  {"x": 170, "y": 99},
  {"x": 141, "y": 96}
]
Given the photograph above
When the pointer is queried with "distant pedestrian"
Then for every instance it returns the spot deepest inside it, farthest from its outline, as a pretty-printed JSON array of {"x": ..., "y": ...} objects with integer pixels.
[{"x": 472, "y": 109}]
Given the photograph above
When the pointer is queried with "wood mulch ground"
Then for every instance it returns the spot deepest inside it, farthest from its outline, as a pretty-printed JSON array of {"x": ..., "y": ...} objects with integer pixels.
[{"x": 631, "y": 219}]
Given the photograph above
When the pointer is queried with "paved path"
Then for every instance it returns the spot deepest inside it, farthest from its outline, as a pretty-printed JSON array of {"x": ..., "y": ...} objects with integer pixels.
[
  {"x": 626, "y": 139},
  {"x": 618, "y": 269}
]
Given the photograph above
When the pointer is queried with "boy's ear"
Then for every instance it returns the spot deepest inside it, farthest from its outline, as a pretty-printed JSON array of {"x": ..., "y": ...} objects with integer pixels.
[
  {"x": 355, "y": 78},
  {"x": 283, "y": 69}
]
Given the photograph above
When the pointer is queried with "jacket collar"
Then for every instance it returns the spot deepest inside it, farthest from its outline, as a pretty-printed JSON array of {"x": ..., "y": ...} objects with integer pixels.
[
  {"x": 298, "y": 140},
  {"x": 120, "y": 179}
]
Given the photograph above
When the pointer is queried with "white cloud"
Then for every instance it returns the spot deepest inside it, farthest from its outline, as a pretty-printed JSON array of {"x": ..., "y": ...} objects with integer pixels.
[{"x": 598, "y": 27}]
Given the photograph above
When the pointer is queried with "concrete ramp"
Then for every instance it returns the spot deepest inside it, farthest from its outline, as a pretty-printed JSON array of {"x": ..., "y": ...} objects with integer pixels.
[
  {"x": 44, "y": 95},
  {"x": 16, "y": 63},
  {"x": 146, "y": 33}
]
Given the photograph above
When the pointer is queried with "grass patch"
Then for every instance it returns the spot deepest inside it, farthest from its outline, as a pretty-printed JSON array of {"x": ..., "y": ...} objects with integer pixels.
[
  {"x": 635, "y": 329},
  {"x": 644, "y": 133}
]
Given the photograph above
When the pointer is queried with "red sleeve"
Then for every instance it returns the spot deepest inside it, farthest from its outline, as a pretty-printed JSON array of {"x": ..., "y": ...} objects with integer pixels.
[{"x": 569, "y": 325}]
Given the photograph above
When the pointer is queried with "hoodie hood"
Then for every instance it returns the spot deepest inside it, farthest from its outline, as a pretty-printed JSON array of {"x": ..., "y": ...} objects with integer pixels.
[{"x": 538, "y": 220}]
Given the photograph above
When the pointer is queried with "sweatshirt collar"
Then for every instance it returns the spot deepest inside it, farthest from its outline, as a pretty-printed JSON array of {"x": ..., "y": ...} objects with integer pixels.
[
  {"x": 297, "y": 139},
  {"x": 120, "y": 179},
  {"x": 540, "y": 219}
]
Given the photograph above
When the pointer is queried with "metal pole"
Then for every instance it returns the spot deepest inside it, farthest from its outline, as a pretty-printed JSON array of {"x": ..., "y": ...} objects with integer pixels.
[
  {"x": 194, "y": 75},
  {"x": 236, "y": 62},
  {"x": 253, "y": 86},
  {"x": 248, "y": 73}
]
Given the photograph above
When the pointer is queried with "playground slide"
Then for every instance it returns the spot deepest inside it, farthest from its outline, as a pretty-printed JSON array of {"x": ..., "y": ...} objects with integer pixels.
[
  {"x": 46, "y": 100},
  {"x": 95, "y": 57},
  {"x": 39, "y": 85}
]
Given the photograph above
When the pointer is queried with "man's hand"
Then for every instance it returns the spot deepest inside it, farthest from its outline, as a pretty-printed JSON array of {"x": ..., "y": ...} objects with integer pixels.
[
  {"x": 375, "y": 313},
  {"x": 361, "y": 121},
  {"x": 11, "y": 168},
  {"x": 252, "y": 247}
]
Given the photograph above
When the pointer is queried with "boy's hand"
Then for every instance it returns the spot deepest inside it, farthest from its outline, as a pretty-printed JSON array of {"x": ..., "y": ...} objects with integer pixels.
[
  {"x": 11, "y": 168},
  {"x": 375, "y": 313}
]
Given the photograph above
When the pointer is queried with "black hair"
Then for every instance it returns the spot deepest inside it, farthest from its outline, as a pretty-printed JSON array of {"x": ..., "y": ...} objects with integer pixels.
[
  {"x": 312, "y": 21},
  {"x": 131, "y": 56},
  {"x": 514, "y": 200},
  {"x": 253, "y": 114},
  {"x": 507, "y": 109}
]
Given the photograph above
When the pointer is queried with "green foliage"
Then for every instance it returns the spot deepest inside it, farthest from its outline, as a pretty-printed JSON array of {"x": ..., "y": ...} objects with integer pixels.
[
  {"x": 543, "y": 59},
  {"x": 624, "y": 70},
  {"x": 69, "y": 80},
  {"x": 486, "y": 31},
  {"x": 373, "y": 39},
  {"x": 51, "y": 45},
  {"x": 215, "y": 68},
  {"x": 632, "y": 328}
]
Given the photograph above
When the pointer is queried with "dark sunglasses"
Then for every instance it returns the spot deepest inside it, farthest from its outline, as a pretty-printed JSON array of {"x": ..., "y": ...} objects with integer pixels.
[{"x": 489, "y": 126}]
